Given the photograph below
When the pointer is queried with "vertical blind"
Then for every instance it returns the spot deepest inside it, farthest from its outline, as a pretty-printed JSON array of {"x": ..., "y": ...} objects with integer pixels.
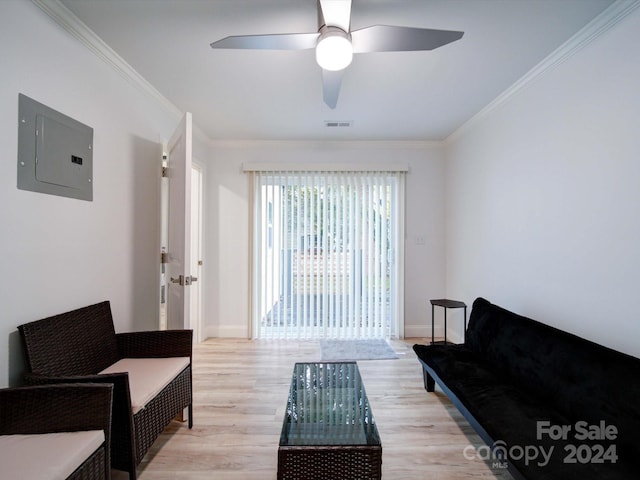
[{"x": 325, "y": 251}]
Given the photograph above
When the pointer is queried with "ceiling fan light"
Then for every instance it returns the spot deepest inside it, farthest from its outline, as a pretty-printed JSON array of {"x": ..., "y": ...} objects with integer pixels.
[{"x": 334, "y": 50}]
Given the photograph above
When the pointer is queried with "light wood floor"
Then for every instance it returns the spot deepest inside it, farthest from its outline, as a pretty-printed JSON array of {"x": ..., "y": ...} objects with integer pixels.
[{"x": 240, "y": 392}]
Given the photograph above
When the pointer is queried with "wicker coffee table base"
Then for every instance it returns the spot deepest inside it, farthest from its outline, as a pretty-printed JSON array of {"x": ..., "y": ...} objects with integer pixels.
[{"x": 330, "y": 462}]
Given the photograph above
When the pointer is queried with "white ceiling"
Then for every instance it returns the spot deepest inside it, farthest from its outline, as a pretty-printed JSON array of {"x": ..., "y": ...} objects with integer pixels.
[{"x": 277, "y": 95}]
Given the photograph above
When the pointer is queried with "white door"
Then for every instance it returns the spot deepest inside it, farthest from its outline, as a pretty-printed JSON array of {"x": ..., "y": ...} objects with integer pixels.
[{"x": 178, "y": 274}]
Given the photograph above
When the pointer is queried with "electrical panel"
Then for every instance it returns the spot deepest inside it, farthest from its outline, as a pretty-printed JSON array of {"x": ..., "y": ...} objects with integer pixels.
[{"x": 55, "y": 152}]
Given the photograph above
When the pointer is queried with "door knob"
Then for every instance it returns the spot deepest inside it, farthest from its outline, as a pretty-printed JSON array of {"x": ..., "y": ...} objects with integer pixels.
[{"x": 182, "y": 280}]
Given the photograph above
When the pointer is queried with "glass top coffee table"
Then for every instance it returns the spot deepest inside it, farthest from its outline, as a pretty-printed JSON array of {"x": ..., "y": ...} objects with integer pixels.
[{"x": 328, "y": 431}]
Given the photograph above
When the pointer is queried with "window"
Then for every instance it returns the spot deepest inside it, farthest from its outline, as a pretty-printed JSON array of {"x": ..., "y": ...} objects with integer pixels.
[{"x": 326, "y": 254}]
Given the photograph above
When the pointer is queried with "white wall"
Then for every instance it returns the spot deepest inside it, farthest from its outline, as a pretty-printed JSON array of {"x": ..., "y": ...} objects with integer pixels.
[
  {"x": 227, "y": 223},
  {"x": 543, "y": 196},
  {"x": 59, "y": 253}
]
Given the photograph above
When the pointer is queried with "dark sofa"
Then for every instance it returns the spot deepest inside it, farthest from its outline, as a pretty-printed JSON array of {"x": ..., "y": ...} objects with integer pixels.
[{"x": 550, "y": 405}]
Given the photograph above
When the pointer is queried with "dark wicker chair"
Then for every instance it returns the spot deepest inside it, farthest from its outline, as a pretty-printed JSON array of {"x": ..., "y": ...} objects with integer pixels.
[
  {"x": 75, "y": 346},
  {"x": 61, "y": 408}
]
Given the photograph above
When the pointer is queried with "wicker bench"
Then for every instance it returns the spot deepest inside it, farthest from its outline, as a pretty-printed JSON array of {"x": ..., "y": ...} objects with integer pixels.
[
  {"x": 78, "y": 345},
  {"x": 56, "y": 429}
]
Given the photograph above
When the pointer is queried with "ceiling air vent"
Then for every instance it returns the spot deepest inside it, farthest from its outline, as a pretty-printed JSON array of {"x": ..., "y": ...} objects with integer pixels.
[{"x": 338, "y": 123}]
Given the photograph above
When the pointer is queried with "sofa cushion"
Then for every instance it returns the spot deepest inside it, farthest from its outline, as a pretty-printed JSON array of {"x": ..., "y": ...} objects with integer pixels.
[
  {"x": 505, "y": 411},
  {"x": 50, "y": 455},
  {"x": 148, "y": 376}
]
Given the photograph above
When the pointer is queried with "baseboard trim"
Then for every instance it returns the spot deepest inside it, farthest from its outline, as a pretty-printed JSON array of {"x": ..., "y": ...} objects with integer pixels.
[
  {"x": 424, "y": 331},
  {"x": 226, "y": 331},
  {"x": 420, "y": 331}
]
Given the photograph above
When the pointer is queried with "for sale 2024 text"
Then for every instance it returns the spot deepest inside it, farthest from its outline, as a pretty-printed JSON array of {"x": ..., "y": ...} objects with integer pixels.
[{"x": 583, "y": 432}]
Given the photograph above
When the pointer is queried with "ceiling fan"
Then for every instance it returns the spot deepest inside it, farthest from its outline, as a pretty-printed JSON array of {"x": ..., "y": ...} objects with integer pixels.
[{"x": 335, "y": 43}]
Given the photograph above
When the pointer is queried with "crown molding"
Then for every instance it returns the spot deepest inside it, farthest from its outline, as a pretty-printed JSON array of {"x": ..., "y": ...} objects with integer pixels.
[
  {"x": 611, "y": 16},
  {"x": 73, "y": 25},
  {"x": 316, "y": 167},
  {"x": 328, "y": 144}
]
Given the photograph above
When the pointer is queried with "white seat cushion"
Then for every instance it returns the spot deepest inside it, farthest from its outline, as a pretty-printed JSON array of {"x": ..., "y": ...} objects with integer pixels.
[
  {"x": 148, "y": 376},
  {"x": 48, "y": 456}
]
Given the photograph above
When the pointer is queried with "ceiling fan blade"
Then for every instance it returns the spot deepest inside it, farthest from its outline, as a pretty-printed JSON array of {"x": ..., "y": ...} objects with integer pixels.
[
  {"x": 331, "y": 81},
  {"x": 335, "y": 13},
  {"x": 385, "y": 38},
  {"x": 284, "y": 41}
]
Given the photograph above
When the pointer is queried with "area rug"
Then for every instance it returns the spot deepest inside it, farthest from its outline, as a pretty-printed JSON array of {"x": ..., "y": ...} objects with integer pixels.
[{"x": 351, "y": 350}]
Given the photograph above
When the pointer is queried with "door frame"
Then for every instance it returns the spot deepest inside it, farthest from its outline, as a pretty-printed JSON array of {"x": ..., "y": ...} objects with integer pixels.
[{"x": 197, "y": 237}]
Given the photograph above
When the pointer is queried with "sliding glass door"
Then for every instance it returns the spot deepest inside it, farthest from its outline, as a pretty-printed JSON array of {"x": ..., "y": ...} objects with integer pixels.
[{"x": 325, "y": 254}]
